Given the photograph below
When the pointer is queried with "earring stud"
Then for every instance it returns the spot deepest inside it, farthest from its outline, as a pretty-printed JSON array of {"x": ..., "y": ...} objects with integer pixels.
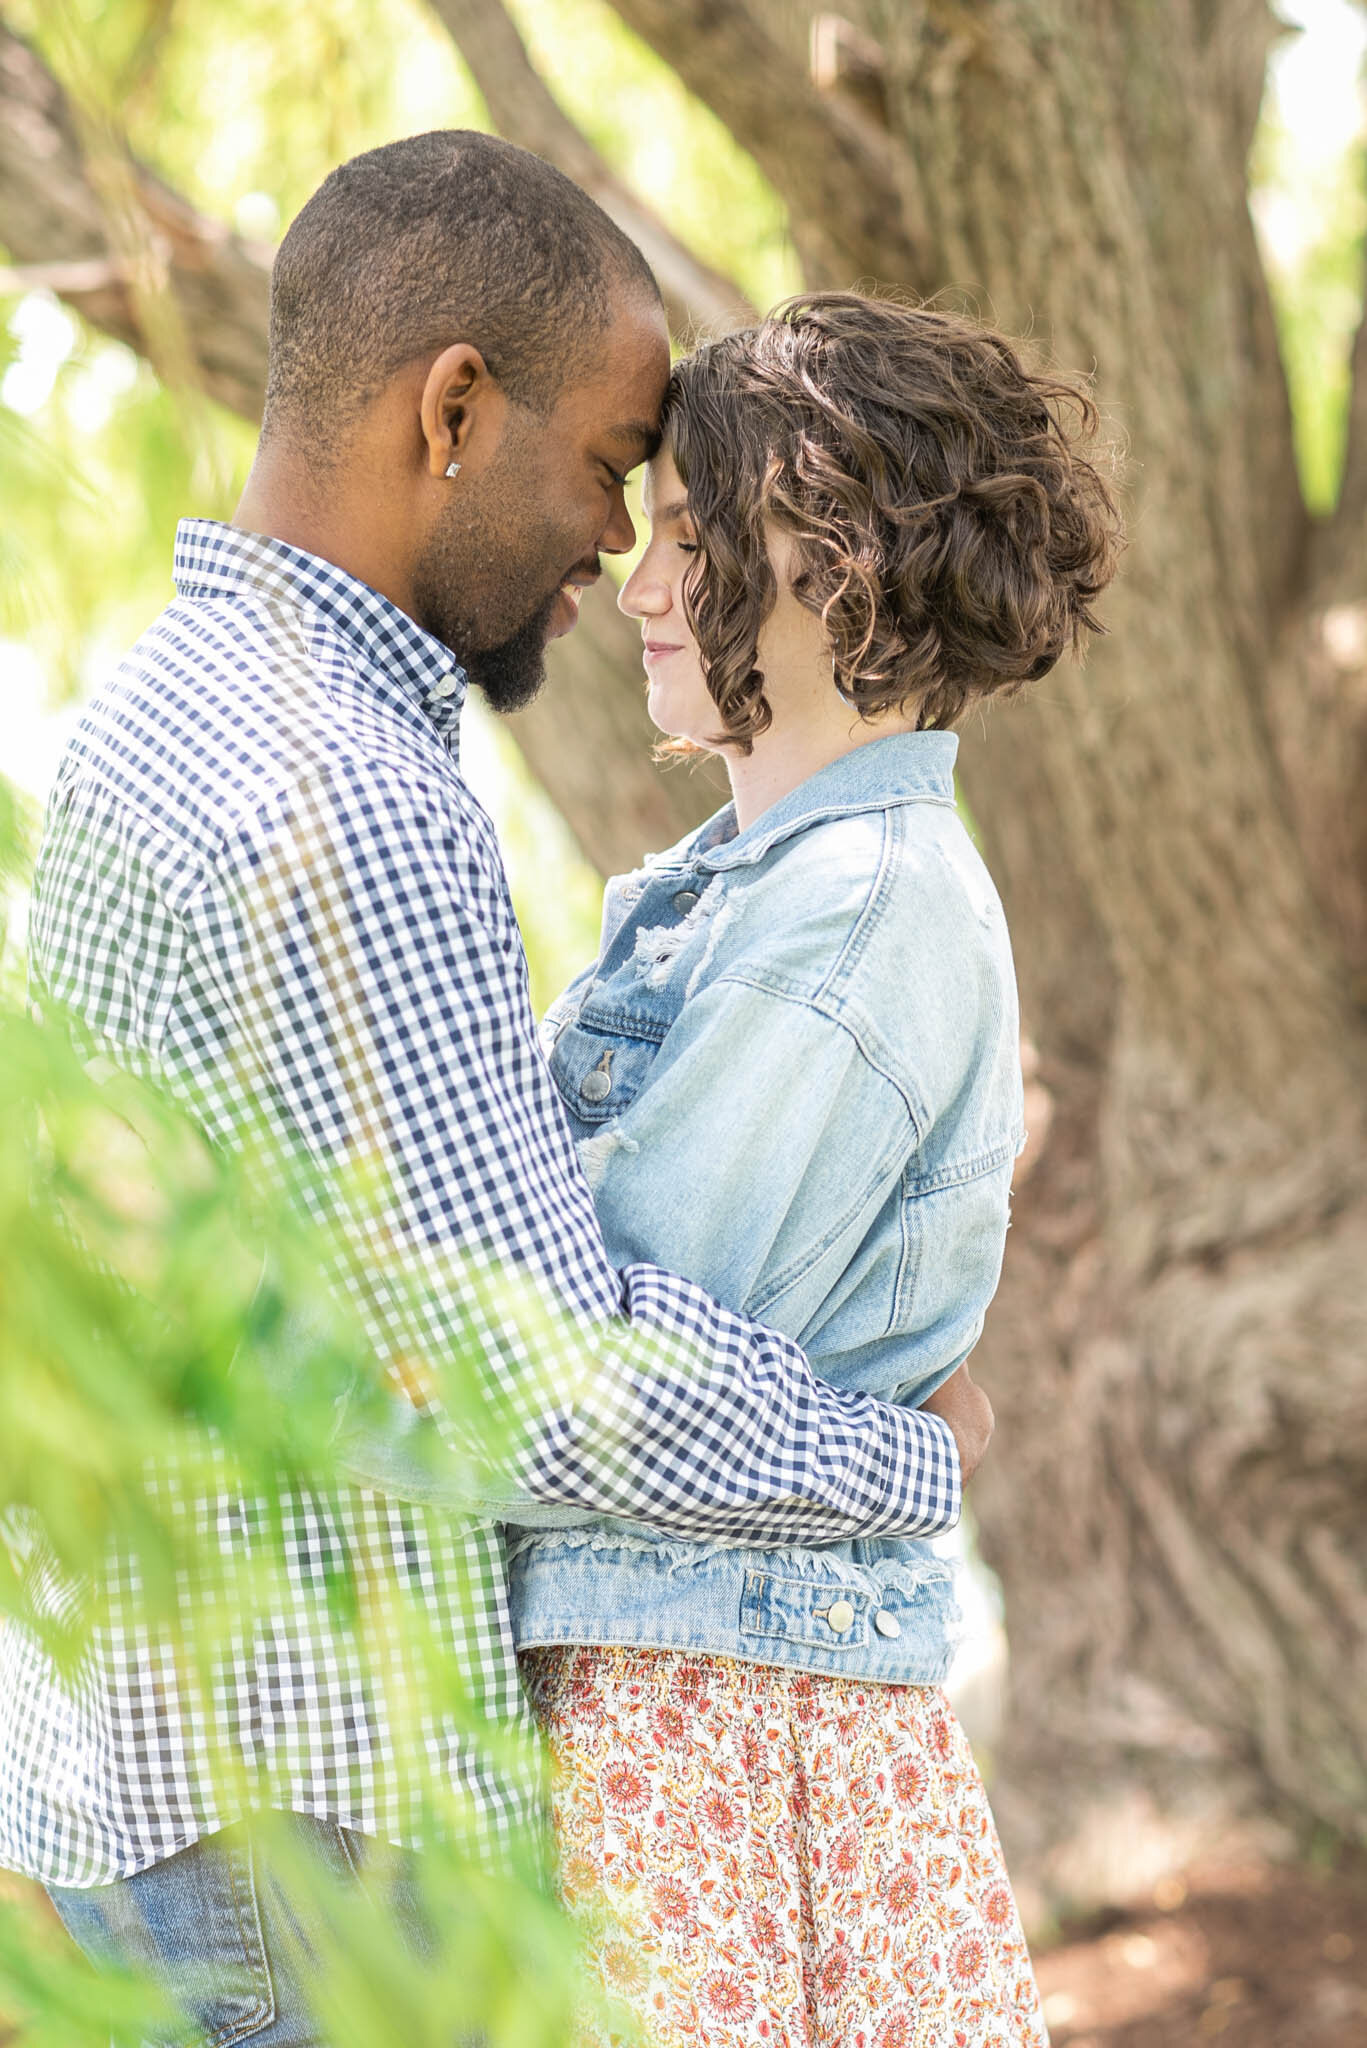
[{"x": 452, "y": 469}]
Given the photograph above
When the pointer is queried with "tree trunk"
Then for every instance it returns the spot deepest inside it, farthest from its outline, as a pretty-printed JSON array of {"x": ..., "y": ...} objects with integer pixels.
[{"x": 1174, "y": 1499}]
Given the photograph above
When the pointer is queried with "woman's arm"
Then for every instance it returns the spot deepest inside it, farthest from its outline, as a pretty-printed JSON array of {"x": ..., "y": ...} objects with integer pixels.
[
  {"x": 772, "y": 1155},
  {"x": 757, "y": 1153}
]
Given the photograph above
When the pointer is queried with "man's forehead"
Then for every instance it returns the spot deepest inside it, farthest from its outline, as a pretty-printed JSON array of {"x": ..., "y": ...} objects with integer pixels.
[{"x": 628, "y": 366}]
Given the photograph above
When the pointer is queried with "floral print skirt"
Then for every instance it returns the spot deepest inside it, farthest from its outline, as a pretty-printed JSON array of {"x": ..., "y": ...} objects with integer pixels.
[{"x": 762, "y": 1858}]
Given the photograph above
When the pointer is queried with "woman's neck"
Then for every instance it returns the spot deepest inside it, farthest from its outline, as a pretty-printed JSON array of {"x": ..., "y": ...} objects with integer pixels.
[{"x": 796, "y": 746}]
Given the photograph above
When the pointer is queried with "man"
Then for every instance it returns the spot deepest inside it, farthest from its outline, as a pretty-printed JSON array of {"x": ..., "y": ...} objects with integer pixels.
[{"x": 264, "y": 883}]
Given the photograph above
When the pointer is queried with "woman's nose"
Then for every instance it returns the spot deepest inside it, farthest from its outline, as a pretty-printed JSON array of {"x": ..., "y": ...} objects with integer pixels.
[{"x": 644, "y": 595}]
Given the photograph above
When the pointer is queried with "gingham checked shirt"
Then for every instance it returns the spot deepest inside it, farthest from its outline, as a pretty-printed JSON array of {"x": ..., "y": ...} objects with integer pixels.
[{"x": 264, "y": 881}]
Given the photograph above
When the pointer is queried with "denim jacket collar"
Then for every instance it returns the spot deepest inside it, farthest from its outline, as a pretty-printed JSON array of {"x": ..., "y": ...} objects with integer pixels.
[{"x": 903, "y": 767}]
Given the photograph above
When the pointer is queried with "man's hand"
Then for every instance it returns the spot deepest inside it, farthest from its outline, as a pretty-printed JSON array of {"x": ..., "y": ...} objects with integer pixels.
[{"x": 967, "y": 1410}]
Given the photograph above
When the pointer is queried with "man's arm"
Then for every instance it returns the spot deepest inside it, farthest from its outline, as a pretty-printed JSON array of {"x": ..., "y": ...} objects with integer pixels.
[
  {"x": 367, "y": 949},
  {"x": 718, "y": 1112}
]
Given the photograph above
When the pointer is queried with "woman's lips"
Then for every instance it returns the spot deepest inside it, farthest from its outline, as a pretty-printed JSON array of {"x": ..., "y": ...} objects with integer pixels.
[{"x": 656, "y": 650}]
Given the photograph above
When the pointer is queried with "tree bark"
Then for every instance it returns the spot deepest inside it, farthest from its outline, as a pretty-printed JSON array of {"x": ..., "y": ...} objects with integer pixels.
[
  {"x": 853, "y": 215},
  {"x": 51, "y": 215}
]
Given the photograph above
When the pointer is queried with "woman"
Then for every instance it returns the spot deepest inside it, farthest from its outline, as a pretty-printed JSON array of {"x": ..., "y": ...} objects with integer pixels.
[{"x": 793, "y": 1073}]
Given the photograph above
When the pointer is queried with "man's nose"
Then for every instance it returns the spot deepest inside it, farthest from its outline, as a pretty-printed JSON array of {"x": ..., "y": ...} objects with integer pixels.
[{"x": 619, "y": 535}]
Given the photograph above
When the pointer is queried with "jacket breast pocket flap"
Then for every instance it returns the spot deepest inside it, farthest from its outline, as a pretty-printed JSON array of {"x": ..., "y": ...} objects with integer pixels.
[{"x": 600, "y": 1073}]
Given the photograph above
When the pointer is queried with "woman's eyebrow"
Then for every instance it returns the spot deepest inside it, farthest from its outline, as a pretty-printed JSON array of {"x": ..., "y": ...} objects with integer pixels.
[{"x": 660, "y": 514}]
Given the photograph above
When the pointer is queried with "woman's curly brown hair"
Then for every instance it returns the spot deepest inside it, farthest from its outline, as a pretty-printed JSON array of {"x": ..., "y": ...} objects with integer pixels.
[{"x": 947, "y": 531}]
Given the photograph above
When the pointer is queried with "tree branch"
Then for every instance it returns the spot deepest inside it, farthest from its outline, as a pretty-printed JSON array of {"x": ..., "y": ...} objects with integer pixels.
[
  {"x": 51, "y": 219},
  {"x": 836, "y": 170},
  {"x": 524, "y": 111}
]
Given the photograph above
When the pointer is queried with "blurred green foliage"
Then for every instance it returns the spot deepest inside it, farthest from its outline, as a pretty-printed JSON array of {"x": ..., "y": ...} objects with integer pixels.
[{"x": 1315, "y": 227}]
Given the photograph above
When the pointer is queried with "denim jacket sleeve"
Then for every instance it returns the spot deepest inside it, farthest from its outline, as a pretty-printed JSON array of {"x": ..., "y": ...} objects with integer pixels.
[
  {"x": 758, "y": 1154},
  {"x": 721, "y": 1097},
  {"x": 758, "y": 1158}
]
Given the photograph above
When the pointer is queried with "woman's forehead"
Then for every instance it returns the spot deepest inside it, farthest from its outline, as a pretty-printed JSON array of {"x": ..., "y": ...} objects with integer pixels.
[{"x": 663, "y": 492}]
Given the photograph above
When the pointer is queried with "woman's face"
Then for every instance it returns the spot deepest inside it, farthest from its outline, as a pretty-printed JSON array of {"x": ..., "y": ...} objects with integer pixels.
[{"x": 678, "y": 697}]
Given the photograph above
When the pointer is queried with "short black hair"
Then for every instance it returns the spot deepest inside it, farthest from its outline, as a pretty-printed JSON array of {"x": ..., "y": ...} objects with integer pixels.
[{"x": 449, "y": 236}]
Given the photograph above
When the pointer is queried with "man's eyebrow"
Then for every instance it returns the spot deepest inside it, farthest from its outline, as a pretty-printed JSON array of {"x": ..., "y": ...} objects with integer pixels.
[{"x": 637, "y": 435}]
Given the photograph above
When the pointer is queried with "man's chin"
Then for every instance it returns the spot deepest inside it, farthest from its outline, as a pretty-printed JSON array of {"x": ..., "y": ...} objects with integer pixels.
[{"x": 511, "y": 674}]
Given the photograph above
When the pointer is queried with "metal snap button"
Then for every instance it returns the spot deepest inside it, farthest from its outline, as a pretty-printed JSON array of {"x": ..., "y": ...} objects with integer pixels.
[
  {"x": 686, "y": 900},
  {"x": 597, "y": 1086},
  {"x": 840, "y": 1616},
  {"x": 887, "y": 1624}
]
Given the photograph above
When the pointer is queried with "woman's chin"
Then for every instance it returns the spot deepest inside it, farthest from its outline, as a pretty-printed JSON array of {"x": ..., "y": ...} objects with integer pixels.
[{"x": 664, "y": 716}]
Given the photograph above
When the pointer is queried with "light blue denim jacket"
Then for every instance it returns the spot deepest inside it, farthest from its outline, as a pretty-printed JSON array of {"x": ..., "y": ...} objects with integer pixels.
[{"x": 793, "y": 1073}]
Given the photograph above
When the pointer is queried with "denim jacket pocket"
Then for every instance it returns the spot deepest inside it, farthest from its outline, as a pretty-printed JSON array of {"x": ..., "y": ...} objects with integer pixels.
[{"x": 599, "y": 1073}]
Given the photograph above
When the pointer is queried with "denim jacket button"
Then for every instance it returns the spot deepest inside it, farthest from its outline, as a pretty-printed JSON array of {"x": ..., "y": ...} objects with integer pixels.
[
  {"x": 597, "y": 1086},
  {"x": 887, "y": 1624},
  {"x": 840, "y": 1616},
  {"x": 685, "y": 901}
]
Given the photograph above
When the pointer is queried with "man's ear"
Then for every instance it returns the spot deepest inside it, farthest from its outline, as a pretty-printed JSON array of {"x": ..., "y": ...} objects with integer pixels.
[{"x": 463, "y": 409}]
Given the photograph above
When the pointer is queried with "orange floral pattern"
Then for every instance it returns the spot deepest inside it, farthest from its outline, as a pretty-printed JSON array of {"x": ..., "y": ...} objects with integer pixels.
[{"x": 762, "y": 1858}]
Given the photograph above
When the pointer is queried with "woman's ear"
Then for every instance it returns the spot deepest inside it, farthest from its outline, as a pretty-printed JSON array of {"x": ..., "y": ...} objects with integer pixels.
[{"x": 463, "y": 410}]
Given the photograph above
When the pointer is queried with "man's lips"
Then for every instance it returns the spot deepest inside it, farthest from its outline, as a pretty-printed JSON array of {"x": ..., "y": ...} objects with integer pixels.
[{"x": 565, "y": 614}]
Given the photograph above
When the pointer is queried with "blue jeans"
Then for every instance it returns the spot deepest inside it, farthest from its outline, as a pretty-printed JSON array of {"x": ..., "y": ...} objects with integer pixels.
[{"x": 214, "y": 1926}]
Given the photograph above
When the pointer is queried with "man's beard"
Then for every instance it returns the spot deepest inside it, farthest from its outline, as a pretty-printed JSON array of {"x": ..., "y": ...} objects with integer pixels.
[{"x": 512, "y": 673}]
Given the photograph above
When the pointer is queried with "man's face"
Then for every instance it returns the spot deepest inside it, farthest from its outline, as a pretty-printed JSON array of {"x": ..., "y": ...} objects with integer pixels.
[{"x": 503, "y": 565}]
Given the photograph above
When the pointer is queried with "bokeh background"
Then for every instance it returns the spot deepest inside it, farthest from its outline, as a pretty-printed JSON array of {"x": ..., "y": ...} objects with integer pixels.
[{"x": 1165, "y": 1667}]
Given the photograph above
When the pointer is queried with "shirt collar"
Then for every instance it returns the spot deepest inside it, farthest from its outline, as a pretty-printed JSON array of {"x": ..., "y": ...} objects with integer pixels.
[
  {"x": 214, "y": 560},
  {"x": 900, "y": 768}
]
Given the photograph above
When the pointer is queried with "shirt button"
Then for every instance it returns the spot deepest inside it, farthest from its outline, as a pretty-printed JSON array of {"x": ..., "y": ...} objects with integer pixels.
[
  {"x": 686, "y": 900},
  {"x": 887, "y": 1624},
  {"x": 447, "y": 687},
  {"x": 840, "y": 1616}
]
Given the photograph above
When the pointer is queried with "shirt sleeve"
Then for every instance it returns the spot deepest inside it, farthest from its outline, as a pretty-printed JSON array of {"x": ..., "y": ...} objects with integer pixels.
[{"x": 384, "y": 1044}]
